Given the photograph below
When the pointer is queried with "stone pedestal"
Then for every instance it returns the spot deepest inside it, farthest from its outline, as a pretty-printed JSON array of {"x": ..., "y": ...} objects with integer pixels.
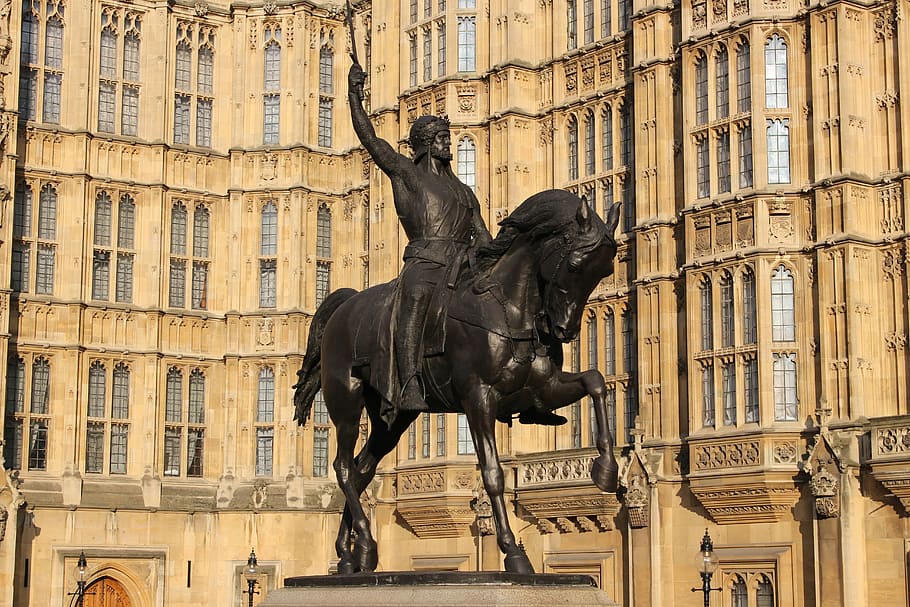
[{"x": 461, "y": 589}]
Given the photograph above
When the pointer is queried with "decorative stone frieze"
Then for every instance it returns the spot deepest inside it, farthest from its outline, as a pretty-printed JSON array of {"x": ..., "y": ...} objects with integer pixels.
[
  {"x": 446, "y": 518},
  {"x": 555, "y": 470},
  {"x": 437, "y": 501},
  {"x": 890, "y": 457},
  {"x": 755, "y": 502},
  {"x": 727, "y": 455}
]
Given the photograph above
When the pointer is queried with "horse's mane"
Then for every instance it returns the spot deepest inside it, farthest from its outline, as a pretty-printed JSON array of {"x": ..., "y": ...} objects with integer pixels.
[{"x": 544, "y": 214}]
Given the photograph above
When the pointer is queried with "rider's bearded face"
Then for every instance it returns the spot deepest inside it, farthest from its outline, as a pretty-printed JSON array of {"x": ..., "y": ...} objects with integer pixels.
[{"x": 441, "y": 148}]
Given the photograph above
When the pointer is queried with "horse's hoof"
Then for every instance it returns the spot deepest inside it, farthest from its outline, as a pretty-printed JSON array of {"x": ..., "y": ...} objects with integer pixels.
[
  {"x": 604, "y": 473},
  {"x": 346, "y": 566},
  {"x": 518, "y": 562},
  {"x": 366, "y": 555}
]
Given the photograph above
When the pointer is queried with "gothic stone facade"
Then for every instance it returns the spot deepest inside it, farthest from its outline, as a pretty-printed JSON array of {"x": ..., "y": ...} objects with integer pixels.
[{"x": 182, "y": 187}]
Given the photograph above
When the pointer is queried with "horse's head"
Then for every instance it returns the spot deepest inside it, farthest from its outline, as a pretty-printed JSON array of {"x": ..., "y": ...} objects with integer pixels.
[{"x": 572, "y": 261}]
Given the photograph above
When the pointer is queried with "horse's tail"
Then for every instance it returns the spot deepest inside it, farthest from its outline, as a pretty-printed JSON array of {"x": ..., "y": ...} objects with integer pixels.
[{"x": 309, "y": 380}]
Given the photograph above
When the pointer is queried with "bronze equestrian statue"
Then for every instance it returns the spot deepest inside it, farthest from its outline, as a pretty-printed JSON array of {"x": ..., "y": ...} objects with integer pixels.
[{"x": 504, "y": 325}]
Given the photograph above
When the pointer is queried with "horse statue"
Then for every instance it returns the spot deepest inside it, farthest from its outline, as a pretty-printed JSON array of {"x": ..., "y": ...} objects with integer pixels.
[{"x": 505, "y": 323}]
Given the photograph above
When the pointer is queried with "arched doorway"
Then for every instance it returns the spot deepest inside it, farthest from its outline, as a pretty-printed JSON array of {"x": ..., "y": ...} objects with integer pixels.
[{"x": 106, "y": 592}]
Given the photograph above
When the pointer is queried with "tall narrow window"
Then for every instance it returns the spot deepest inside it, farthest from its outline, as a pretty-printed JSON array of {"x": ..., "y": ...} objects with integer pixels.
[
  {"x": 47, "y": 234},
  {"x": 324, "y": 136},
  {"x": 466, "y": 44},
  {"x": 271, "y": 101},
  {"x": 323, "y": 253},
  {"x": 440, "y": 434},
  {"x": 15, "y": 418},
  {"x": 326, "y": 70},
  {"x": 726, "y": 311},
  {"x": 195, "y": 442},
  {"x": 120, "y": 412},
  {"x": 413, "y": 10},
  {"x": 623, "y": 8},
  {"x": 268, "y": 251},
  {"x": 745, "y": 156},
  {"x": 743, "y": 78},
  {"x": 785, "y": 400},
  {"x": 707, "y": 392},
  {"x": 609, "y": 344},
  {"x": 53, "y": 62},
  {"x": 707, "y": 315},
  {"x": 265, "y": 417},
  {"x": 592, "y": 343},
  {"x": 467, "y": 167},
  {"x": 629, "y": 354},
  {"x": 427, "y": 54},
  {"x": 764, "y": 596},
  {"x": 320, "y": 436},
  {"x": 722, "y": 82},
  {"x": 412, "y": 441},
  {"x": 173, "y": 414},
  {"x": 739, "y": 595},
  {"x": 723, "y": 162},
  {"x": 610, "y": 401},
  {"x": 750, "y": 322},
  {"x": 783, "y": 322},
  {"x": 607, "y": 138},
  {"x": 441, "y": 49},
  {"x": 182, "y": 84},
  {"x": 625, "y": 137},
  {"x": 572, "y": 143},
  {"x": 750, "y": 379},
  {"x": 728, "y": 381},
  {"x": 589, "y": 21},
  {"x": 129, "y": 116},
  {"x": 702, "y": 168},
  {"x": 606, "y": 18},
  {"x": 412, "y": 57},
  {"x": 205, "y": 88},
  {"x": 424, "y": 435},
  {"x": 199, "y": 296},
  {"x": 465, "y": 443},
  {"x": 102, "y": 238},
  {"x": 108, "y": 71},
  {"x": 94, "y": 439},
  {"x": 776, "y": 73},
  {"x": 701, "y": 90},
  {"x": 571, "y": 24},
  {"x": 589, "y": 144},
  {"x": 778, "y": 151}
]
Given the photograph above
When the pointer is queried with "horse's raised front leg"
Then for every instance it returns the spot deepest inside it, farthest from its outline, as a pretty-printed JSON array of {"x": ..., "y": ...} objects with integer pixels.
[
  {"x": 480, "y": 409},
  {"x": 561, "y": 388}
]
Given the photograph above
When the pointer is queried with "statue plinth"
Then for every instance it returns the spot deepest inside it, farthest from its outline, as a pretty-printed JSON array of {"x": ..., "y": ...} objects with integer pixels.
[{"x": 432, "y": 589}]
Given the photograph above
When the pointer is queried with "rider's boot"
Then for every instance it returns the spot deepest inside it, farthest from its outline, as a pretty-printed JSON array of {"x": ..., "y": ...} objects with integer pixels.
[
  {"x": 407, "y": 351},
  {"x": 541, "y": 416}
]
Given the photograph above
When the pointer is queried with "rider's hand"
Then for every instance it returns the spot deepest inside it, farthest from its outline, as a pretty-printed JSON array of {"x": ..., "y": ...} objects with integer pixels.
[{"x": 356, "y": 78}]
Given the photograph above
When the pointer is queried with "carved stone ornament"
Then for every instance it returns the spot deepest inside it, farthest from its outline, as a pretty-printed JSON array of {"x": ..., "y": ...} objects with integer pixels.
[
  {"x": 483, "y": 509},
  {"x": 638, "y": 502},
  {"x": 823, "y": 485},
  {"x": 4, "y": 516}
]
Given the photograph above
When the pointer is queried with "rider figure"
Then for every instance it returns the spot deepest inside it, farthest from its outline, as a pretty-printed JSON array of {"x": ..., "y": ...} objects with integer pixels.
[{"x": 441, "y": 218}]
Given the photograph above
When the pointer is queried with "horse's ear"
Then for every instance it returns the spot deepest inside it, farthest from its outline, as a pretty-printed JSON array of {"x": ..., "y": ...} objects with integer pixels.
[
  {"x": 612, "y": 218},
  {"x": 583, "y": 216}
]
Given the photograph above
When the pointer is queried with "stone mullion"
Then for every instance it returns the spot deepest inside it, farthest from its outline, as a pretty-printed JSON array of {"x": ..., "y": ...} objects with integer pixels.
[{"x": 858, "y": 322}]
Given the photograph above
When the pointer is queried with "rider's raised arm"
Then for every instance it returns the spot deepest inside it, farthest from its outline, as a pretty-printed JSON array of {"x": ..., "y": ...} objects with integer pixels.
[{"x": 384, "y": 155}]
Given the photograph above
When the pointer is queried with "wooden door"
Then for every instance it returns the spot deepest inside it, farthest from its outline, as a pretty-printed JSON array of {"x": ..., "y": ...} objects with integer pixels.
[{"x": 106, "y": 592}]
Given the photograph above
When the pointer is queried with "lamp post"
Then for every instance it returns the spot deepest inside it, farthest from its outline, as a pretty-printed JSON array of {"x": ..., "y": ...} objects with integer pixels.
[
  {"x": 81, "y": 566},
  {"x": 252, "y": 568},
  {"x": 707, "y": 564}
]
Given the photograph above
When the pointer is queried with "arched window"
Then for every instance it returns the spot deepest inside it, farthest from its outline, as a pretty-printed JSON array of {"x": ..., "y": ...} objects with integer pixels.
[
  {"x": 323, "y": 233},
  {"x": 269, "y": 230},
  {"x": 195, "y": 440},
  {"x": 728, "y": 383},
  {"x": 272, "y": 85},
  {"x": 739, "y": 595},
  {"x": 467, "y": 171},
  {"x": 28, "y": 56},
  {"x": 120, "y": 403},
  {"x": 205, "y": 86},
  {"x": 126, "y": 222},
  {"x": 609, "y": 343},
  {"x": 201, "y": 232},
  {"x": 178, "y": 229},
  {"x": 701, "y": 89},
  {"x": 707, "y": 315},
  {"x": 722, "y": 82},
  {"x": 465, "y": 443},
  {"x": 572, "y": 141},
  {"x": 265, "y": 416},
  {"x": 764, "y": 596},
  {"x": 467, "y": 50},
  {"x": 103, "y": 212},
  {"x": 97, "y": 389},
  {"x": 173, "y": 408},
  {"x": 53, "y": 61},
  {"x": 750, "y": 378},
  {"x": 750, "y": 323},
  {"x": 607, "y": 137},
  {"x": 785, "y": 397},
  {"x": 743, "y": 77},
  {"x": 589, "y": 144},
  {"x": 776, "y": 73},
  {"x": 592, "y": 343},
  {"x": 47, "y": 213},
  {"x": 779, "y": 151},
  {"x": 783, "y": 323},
  {"x": 707, "y": 392},
  {"x": 320, "y": 436},
  {"x": 702, "y": 167},
  {"x": 726, "y": 311},
  {"x": 326, "y": 64}
]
